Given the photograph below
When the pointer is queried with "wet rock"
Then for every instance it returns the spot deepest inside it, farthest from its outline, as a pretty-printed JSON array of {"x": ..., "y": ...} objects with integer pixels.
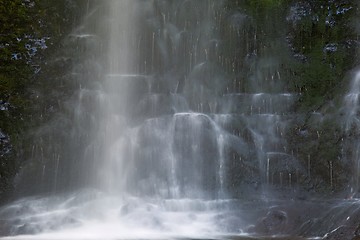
[
  {"x": 299, "y": 11},
  {"x": 342, "y": 232},
  {"x": 26, "y": 229},
  {"x": 4, "y": 228},
  {"x": 4, "y": 106},
  {"x": 127, "y": 209},
  {"x": 300, "y": 57},
  {"x": 231, "y": 223},
  {"x": 273, "y": 223},
  {"x": 2, "y": 135},
  {"x": 5, "y": 146},
  {"x": 357, "y": 231},
  {"x": 331, "y": 47},
  {"x": 69, "y": 221}
]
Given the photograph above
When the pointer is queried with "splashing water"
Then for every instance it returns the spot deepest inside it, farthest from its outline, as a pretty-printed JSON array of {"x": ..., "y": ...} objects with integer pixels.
[{"x": 93, "y": 215}]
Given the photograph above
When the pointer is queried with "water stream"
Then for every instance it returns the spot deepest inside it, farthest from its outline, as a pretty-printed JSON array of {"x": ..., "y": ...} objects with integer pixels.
[{"x": 351, "y": 125}]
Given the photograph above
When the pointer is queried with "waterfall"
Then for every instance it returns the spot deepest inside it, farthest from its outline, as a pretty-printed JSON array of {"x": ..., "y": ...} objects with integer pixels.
[
  {"x": 154, "y": 143},
  {"x": 351, "y": 126},
  {"x": 179, "y": 118},
  {"x": 166, "y": 123},
  {"x": 147, "y": 151}
]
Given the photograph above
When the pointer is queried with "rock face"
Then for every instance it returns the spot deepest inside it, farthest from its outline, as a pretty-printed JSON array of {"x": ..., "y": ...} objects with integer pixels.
[
  {"x": 341, "y": 232},
  {"x": 5, "y": 146},
  {"x": 7, "y": 167},
  {"x": 273, "y": 223}
]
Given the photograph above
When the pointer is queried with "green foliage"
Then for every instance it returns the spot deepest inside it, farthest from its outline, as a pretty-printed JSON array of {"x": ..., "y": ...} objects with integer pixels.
[
  {"x": 265, "y": 4},
  {"x": 321, "y": 28},
  {"x": 22, "y": 25},
  {"x": 261, "y": 27},
  {"x": 18, "y": 22},
  {"x": 322, "y": 37},
  {"x": 319, "y": 78},
  {"x": 261, "y": 10},
  {"x": 29, "y": 30}
]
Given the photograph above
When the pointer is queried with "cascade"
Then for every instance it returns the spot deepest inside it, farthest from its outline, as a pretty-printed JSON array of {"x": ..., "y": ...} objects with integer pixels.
[
  {"x": 351, "y": 126},
  {"x": 171, "y": 131}
]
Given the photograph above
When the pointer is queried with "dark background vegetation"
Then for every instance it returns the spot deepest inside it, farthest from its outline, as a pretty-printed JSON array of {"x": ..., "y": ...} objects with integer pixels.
[{"x": 31, "y": 34}]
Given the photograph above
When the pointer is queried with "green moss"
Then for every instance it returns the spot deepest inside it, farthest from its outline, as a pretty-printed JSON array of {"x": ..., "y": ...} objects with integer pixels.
[
  {"x": 268, "y": 4},
  {"x": 22, "y": 22},
  {"x": 322, "y": 38}
]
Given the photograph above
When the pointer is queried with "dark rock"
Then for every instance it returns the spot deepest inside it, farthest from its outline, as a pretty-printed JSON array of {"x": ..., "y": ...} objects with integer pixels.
[
  {"x": 5, "y": 145},
  {"x": 26, "y": 229},
  {"x": 331, "y": 47},
  {"x": 4, "y": 106},
  {"x": 127, "y": 208},
  {"x": 231, "y": 223},
  {"x": 357, "y": 231},
  {"x": 4, "y": 228},
  {"x": 273, "y": 223},
  {"x": 342, "y": 232},
  {"x": 2, "y": 135}
]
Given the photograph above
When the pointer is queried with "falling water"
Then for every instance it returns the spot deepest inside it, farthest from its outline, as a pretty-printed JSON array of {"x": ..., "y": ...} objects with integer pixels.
[
  {"x": 352, "y": 127},
  {"x": 153, "y": 162}
]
